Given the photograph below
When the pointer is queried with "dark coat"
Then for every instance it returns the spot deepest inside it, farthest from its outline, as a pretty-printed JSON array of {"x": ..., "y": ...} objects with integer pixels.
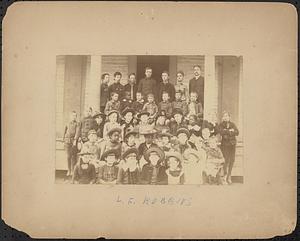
[
  {"x": 147, "y": 86},
  {"x": 132, "y": 89},
  {"x": 228, "y": 137},
  {"x": 143, "y": 148},
  {"x": 147, "y": 172},
  {"x": 87, "y": 124},
  {"x": 118, "y": 88},
  {"x": 84, "y": 176},
  {"x": 197, "y": 85},
  {"x": 169, "y": 88},
  {"x": 104, "y": 94},
  {"x": 127, "y": 177}
]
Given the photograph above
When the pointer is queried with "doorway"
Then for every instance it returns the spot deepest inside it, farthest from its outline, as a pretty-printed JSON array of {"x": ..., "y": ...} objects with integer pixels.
[{"x": 158, "y": 63}]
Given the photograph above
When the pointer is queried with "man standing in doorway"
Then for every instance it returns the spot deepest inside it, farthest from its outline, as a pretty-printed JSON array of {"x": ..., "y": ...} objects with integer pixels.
[
  {"x": 148, "y": 84},
  {"x": 197, "y": 84},
  {"x": 166, "y": 86}
]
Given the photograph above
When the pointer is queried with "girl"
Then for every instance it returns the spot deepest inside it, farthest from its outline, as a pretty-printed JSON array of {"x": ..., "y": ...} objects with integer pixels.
[
  {"x": 113, "y": 122},
  {"x": 109, "y": 171},
  {"x": 228, "y": 132},
  {"x": 174, "y": 172},
  {"x": 84, "y": 172}
]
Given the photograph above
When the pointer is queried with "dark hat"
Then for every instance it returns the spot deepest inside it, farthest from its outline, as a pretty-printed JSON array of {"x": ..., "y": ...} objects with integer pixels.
[
  {"x": 116, "y": 129},
  {"x": 129, "y": 151},
  {"x": 159, "y": 152},
  {"x": 98, "y": 113},
  {"x": 132, "y": 131},
  {"x": 177, "y": 111},
  {"x": 112, "y": 111},
  {"x": 143, "y": 112},
  {"x": 183, "y": 130},
  {"x": 126, "y": 110},
  {"x": 110, "y": 152},
  {"x": 92, "y": 131}
]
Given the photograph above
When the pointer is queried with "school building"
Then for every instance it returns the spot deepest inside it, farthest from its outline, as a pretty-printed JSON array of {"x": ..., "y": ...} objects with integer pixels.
[{"x": 78, "y": 86}]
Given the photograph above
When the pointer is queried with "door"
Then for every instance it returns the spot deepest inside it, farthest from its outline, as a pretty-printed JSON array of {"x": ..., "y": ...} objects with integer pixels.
[{"x": 158, "y": 63}]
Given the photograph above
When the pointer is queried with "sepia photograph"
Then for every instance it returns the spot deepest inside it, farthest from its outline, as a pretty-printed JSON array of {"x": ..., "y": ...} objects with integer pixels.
[{"x": 149, "y": 119}]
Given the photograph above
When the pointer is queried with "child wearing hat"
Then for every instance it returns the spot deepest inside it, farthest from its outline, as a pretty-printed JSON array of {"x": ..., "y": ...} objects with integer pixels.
[
  {"x": 164, "y": 138},
  {"x": 113, "y": 103},
  {"x": 113, "y": 122},
  {"x": 92, "y": 147},
  {"x": 109, "y": 171},
  {"x": 104, "y": 93},
  {"x": 130, "y": 139},
  {"x": 214, "y": 163},
  {"x": 183, "y": 142},
  {"x": 193, "y": 166},
  {"x": 174, "y": 172},
  {"x": 99, "y": 123},
  {"x": 177, "y": 121},
  {"x": 161, "y": 122},
  {"x": 129, "y": 172},
  {"x": 113, "y": 141},
  {"x": 128, "y": 119},
  {"x": 153, "y": 173},
  {"x": 84, "y": 171},
  {"x": 151, "y": 107}
]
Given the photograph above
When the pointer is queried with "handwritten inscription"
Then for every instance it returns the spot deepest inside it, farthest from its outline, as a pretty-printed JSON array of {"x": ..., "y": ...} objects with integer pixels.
[{"x": 148, "y": 201}]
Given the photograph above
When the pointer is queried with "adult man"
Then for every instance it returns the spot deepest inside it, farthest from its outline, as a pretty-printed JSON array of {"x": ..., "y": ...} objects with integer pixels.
[
  {"x": 116, "y": 86},
  {"x": 131, "y": 86},
  {"x": 165, "y": 86},
  {"x": 197, "y": 84},
  {"x": 148, "y": 84}
]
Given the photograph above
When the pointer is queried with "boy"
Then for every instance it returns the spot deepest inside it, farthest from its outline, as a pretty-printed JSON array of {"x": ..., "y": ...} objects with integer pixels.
[
  {"x": 165, "y": 105},
  {"x": 228, "y": 132},
  {"x": 174, "y": 172},
  {"x": 104, "y": 93},
  {"x": 113, "y": 104},
  {"x": 177, "y": 121},
  {"x": 129, "y": 139},
  {"x": 214, "y": 162},
  {"x": 113, "y": 142},
  {"x": 112, "y": 122},
  {"x": 126, "y": 102},
  {"x": 129, "y": 172},
  {"x": 87, "y": 124},
  {"x": 178, "y": 103},
  {"x": 128, "y": 120},
  {"x": 139, "y": 103},
  {"x": 70, "y": 138},
  {"x": 161, "y": 122},
  {"x": 151, "y": 107},
  {"x": 153, "y": 173},
  {"x": 164, "y": 140},
  {"x": 193, "y": 166},
  {"x": 183, "y": 143},
  {"x": 195, "y": 107},
  {"x": 116, "y": 87},
  {"x": 84, "y": 171},
  {"x": 91, "y": 146},
  {"x": 181, "y": 87},
  {"x": 165, "y": 86},
  {"x": 131, "y": 87},
  {"x": 99, "y": 124},
  {"x": 109, "y": 171},
  {"x": 148, "y": 134}
]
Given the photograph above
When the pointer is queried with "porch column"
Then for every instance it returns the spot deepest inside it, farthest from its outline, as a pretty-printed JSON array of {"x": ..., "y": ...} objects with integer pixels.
[
  {"x": 60, "y": 80},
  {"x": 210, "y": 87},
  {"x": 240, "y": 121},
  {"x": 92, "y": 85}
]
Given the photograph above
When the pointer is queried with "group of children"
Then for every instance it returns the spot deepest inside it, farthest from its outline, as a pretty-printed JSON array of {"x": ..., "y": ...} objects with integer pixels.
[{"x": 141, "y": 142}]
